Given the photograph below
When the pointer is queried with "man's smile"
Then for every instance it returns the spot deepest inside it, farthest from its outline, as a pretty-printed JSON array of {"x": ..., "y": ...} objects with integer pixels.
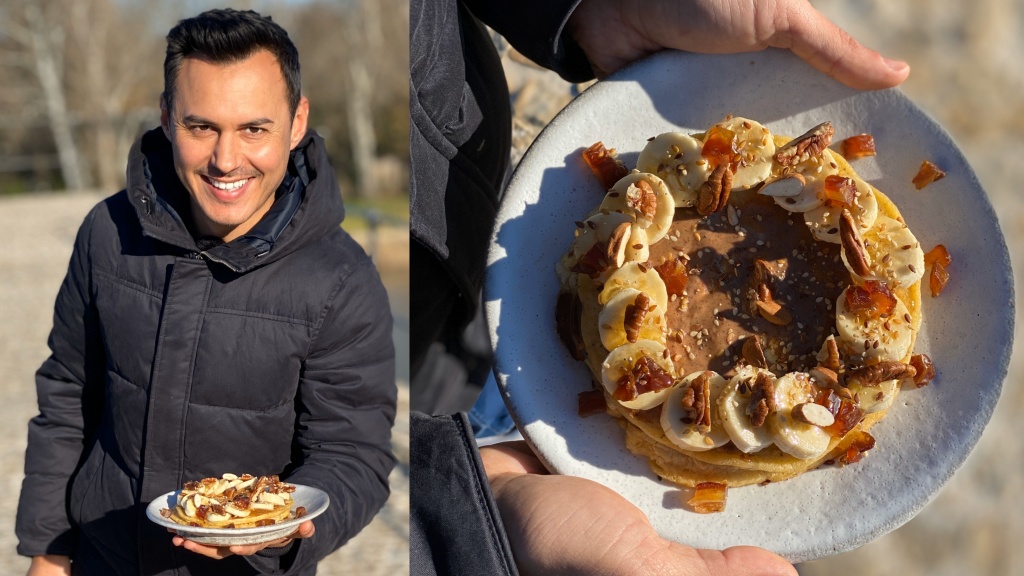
[{"x": 226, "y": 190}]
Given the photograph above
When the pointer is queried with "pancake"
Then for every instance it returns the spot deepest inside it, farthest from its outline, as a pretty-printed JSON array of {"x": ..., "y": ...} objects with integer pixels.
[
  {"x": 233, "y": 501},
  {"x": 791, "y": 249}
]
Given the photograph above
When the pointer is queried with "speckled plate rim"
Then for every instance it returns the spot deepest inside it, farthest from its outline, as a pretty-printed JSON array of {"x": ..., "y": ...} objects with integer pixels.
[
  {"x": 928, "y": 433},
  {"x": 313, "y": 499}
]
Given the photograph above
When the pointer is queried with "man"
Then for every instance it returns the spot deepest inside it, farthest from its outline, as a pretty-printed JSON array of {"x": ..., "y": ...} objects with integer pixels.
[
  {"x": 519, "y": 519},
  {"x": 215, "y": 318}
]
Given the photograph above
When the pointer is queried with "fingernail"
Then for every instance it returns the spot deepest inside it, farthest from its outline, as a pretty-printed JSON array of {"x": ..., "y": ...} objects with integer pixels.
[{"x": 895, "y": 65}]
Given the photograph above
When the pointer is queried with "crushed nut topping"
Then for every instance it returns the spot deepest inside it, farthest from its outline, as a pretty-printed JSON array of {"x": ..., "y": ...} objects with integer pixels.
[{"x": 641, "y": 197}]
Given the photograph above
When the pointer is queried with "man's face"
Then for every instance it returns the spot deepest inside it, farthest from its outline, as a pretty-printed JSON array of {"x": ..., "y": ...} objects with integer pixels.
[{"x": 231, "y": 132}]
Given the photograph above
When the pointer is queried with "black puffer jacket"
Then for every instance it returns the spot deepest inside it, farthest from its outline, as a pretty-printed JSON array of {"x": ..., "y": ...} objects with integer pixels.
[{"x": 271, "y": 354}]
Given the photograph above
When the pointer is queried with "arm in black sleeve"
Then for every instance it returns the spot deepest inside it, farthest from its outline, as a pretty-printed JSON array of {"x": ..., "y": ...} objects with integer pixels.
[
  {"x": 537, "y": 28},
  {"x": 345, "y": 411},
  {"x": 451, "y": 509},
  {"x": 69, "y": 387}
]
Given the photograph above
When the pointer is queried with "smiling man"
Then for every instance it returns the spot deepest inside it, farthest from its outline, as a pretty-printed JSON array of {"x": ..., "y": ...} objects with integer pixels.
[{"x": 215, "y": 318}]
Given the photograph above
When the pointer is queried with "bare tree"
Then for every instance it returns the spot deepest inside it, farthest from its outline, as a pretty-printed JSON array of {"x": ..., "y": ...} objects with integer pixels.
[{"x": 45, "y": 46}]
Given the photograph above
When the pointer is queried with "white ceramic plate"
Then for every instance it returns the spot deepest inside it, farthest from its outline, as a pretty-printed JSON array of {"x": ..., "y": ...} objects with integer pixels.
[
  {"x": 313, "y": 499},
  {"x": 968, "y": 330}
]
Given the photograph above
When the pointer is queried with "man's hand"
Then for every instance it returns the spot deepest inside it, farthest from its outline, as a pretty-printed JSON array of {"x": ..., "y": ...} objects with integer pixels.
[
  {"x": 50, "y": 565},
  {"x": 567, "y": 525},
  {"x": 305, "y": 530},
  {"x": 614, "y": 33}
]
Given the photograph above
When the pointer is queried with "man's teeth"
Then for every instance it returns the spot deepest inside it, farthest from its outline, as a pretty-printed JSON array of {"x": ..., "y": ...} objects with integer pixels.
[{"x": 229, "y": 185}]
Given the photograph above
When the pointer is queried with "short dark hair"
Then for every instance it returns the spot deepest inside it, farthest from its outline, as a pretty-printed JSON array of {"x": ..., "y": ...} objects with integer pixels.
[{"x": 224, "y": 36}]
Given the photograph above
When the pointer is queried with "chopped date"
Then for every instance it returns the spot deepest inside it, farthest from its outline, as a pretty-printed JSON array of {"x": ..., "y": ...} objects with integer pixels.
[
  {"x": 858, "y": 146},
  {"x": 605, "y": 166},
  {"x": 925, "y": 369},
  {"x": 708, "y": 498},
  {"x": 873, "y": 300},
  {"x": 646, "y": 376},
  {"x": 673, "y": 272},
  {"x": 927, "y": 174}
]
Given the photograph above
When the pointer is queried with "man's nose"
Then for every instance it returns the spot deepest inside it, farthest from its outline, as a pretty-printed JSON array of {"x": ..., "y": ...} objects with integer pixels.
[{"x": 225, "y": 153}]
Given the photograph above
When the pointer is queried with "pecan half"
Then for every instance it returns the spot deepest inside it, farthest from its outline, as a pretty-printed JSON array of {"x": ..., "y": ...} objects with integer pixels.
[
  {"x": 810, "y": 144},
  {"x": 617, "y": 244},
  {"x": 762, "y": 400},
  {"x": 753, "y": 353},
  {"x": 641, "y": 197},
  {"x": 853, "y": 244},
  {"x": 881, "y": 372},
  {"x": 697, "y": 403},
  {"x": 714, "y": 194},
  {"x": 635, "y": 314}
]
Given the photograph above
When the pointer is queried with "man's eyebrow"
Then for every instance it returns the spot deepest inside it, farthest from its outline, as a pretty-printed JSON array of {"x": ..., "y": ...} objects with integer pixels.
[{"x": 196, "y": 119}]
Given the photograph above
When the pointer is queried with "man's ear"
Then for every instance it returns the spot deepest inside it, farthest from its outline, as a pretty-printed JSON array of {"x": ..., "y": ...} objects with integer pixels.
[
  {"x": 299, "y": 122},
  {"x": 165, "y": 116}
]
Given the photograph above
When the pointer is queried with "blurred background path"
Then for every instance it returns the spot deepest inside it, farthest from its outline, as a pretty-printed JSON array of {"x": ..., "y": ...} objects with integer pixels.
[{"x": 966, "y": 73}]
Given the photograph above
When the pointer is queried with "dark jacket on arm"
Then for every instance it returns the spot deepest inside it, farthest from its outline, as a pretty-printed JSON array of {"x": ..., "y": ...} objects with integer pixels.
[
  {"x": 270, "y": 354},
  {"x": 460, "y": 138}
]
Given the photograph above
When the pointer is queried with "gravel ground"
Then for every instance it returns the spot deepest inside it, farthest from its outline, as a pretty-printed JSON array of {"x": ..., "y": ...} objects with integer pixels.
[{"x": 40, "y": 231}]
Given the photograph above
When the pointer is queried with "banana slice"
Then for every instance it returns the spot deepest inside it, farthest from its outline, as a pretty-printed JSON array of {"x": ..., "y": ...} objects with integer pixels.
[
  {"x": 792, "y": 436},
  {"x": 611, "y": 320},
  {"x": 598, "y": 229},
  {"x": 897, "y": 256},
  {"x": 621, "y": 361},
  {"x": 813, "y": 172},
  {"x": 627, "y": 197},
  {"x": 755, "y": 146},
  {"x": 675, "y": 158},
  {"x": 732, "y": 409},
  {"x": 874, "y": 339},
  {"x": 640, "y": 276},
  {"x": 824, "y": 220},
  {"x": 873, "y": 399},
  {"x": 687, "y": 436}
]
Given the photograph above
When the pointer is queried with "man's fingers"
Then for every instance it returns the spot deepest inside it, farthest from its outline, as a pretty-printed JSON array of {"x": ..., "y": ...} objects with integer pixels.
[
  {"x": 514, "y": 457},
  {"x": 746, "y": 561},
  {"x": 816, "y": 39}
]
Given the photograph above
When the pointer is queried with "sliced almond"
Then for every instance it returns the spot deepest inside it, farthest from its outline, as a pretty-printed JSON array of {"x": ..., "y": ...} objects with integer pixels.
[
  {"x": 229, "y": 476},
  {"x": 774, "y": 313},
  {"x": 231, "y": 509},
  {"x": 825, "y": 376},
  {"x": 813, "y": 414},
  {"x": 785, "y": 186},
  {"x": 618, "y": 243}
]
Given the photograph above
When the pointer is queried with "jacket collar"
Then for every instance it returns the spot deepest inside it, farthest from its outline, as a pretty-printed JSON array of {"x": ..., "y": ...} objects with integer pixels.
[{"x": 308, "y": 204}]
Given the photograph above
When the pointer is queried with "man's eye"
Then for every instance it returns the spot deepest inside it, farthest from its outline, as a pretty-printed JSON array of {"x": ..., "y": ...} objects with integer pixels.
[
  {"x": 254, "y": 130},
  {"x": 200, "y": 128}
]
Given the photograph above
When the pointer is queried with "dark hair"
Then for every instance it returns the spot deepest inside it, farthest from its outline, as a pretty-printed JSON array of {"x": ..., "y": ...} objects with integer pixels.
[{"x": 226, "y": 35}]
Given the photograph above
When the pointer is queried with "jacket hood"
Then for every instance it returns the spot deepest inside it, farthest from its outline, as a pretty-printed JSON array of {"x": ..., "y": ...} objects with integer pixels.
[{"x": 308, "y": 204}]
